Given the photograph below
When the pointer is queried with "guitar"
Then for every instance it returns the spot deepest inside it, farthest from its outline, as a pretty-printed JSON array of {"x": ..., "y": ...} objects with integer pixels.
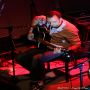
[
  {"x": 42, "y": 37},
  {"x": 41, "y": 33}
]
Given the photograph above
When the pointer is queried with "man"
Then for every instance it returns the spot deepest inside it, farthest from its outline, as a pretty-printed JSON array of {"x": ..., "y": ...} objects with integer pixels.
[{"x": 63, "y": 34}]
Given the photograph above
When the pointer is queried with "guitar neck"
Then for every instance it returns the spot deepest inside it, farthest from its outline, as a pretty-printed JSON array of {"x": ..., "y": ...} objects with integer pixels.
[{"x": 48, "y": 43}]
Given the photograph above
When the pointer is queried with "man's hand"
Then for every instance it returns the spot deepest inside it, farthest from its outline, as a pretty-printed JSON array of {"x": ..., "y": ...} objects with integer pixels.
[{"x": 57, "y": 50}]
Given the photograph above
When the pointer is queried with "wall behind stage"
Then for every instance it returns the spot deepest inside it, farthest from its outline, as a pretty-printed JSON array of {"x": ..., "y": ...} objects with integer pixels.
[
  {"x": 16, "y": 14},
  {"x": 19, "y": 13}
]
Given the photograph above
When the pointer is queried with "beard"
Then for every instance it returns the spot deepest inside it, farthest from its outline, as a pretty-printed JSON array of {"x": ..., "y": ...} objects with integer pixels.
[{"x": 57, "y": 26}]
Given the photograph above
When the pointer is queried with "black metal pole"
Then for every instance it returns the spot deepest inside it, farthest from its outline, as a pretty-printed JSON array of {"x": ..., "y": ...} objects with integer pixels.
[
  {"x": 13, "y": 63},
  {"x": 89, "y": 69},
  {"x": 10, "y": 29},
  {"x": 80, "y": 66},
  {"x": 33, "y": 9},
  {"x": 81, "y": 76},
  {"x": 67, "y": 59}
]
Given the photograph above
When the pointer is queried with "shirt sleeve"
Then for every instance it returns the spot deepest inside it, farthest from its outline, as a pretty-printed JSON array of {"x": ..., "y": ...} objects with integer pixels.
[{"x": 73, "y": 38}]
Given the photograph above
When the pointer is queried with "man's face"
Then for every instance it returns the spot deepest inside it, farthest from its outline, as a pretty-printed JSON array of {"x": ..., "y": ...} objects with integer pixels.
[{"x": 54, "y": 21}]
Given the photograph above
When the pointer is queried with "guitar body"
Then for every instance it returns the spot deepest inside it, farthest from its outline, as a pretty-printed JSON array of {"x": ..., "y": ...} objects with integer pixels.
[{"x": 41, "y": 33}]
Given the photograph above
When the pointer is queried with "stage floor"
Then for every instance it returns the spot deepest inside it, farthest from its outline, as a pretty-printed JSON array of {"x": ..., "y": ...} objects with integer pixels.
[{"x": 58, "y": 83}]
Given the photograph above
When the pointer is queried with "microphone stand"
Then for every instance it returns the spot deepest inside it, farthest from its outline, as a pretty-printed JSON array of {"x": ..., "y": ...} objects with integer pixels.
[
  {"x": 81, "y": 76},
  {"x": 33, "y": 9},
  {"x": 10, "y": 29}
]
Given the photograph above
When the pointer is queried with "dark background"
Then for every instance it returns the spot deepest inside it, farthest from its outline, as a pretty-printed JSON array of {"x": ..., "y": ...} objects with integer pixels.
[{"x": 19, "y": 13}]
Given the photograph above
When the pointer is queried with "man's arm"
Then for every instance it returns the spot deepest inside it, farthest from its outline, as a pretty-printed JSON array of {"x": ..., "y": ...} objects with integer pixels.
[{"x": 74, "y": 40}]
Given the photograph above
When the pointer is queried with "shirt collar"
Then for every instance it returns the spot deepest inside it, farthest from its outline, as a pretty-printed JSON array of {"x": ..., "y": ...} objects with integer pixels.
[{"x": 56, "y": 30}]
